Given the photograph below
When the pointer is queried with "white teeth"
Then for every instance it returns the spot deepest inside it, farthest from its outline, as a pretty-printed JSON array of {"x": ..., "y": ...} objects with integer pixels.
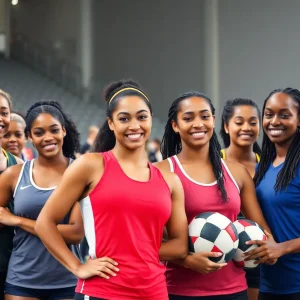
[
  {"x": 49, "y": 147},
  {"x": 198, "y": 134},
  {"x": 276, "y": 131},
  {"x": 134, "y": 136}
]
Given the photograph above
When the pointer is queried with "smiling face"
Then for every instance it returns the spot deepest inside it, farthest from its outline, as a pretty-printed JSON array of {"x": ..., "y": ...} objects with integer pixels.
[
  {"x": 131, "y": 122},
  {"x": 280, "y": 119},
  {"x": 47, "y": 135},
  {"x": 14, "y": 140},
  {"x": 195, "y": 122},
  {"x": 243, "y": 126},
  {"x": 4, "y": 116}
]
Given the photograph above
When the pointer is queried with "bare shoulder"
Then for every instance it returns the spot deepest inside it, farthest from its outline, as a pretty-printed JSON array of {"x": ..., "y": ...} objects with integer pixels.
[
  {"x": 10, "y": 176},
  {"x": 163, "y": 165},
  {"x": 171, "y": 178},
  {"x": 238, "y": 171},
  {"x": 89, "y": 162},
  {"x": 12, "y": 171}
]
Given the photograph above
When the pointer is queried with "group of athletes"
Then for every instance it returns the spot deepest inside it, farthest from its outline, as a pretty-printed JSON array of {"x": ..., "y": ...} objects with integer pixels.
[{"x": 125, "y": 206}]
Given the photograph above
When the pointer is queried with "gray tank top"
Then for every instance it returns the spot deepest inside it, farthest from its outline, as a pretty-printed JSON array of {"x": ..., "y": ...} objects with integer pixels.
[{"x": 31, "y": 265}]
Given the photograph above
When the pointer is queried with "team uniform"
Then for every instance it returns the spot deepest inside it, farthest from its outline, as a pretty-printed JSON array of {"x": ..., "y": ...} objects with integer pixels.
[
  {"x": 252, "y": 275},
  {"x": 228, "y": 282},
  {"x": 6, "y": 235},
  {"x": 124, "y": 220},
  {"x": 33, "y": 271},
  {"x": 282, "y": 212}
]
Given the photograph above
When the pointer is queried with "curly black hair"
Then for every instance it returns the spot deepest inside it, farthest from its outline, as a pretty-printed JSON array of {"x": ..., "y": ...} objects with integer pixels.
[{"x": 71, "y": 142}]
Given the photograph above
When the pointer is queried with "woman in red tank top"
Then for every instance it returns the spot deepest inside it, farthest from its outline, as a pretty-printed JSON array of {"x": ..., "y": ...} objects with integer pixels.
[
  {"x": 191, "y": 146},
  {"x": 125, "y": 203}
]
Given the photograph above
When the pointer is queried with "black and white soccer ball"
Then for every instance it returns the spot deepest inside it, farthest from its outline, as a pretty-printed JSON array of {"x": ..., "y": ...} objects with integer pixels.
[
  {"x": 247, "y": 230},
  {"x": 213, "y": 232}
]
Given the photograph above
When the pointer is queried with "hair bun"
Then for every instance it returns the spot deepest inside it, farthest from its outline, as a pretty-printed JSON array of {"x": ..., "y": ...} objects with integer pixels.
[{"x": 117, "y": 85}]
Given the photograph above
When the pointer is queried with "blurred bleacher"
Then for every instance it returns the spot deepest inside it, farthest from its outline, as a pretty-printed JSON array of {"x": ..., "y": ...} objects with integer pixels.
[{"x": 27, "y": 86}]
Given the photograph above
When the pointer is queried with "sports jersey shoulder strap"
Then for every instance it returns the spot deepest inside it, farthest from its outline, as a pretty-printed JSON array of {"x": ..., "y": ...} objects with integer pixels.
[
  {"x": 170, "y": 160},
  {"x": 223, "y": 154},
  {"x": 11, "y": 160},
  {"x": 257, "y": 157}
]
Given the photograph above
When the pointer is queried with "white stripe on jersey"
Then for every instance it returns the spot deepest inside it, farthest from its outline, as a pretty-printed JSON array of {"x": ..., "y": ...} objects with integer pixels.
[{"x": 89, "y": 225}]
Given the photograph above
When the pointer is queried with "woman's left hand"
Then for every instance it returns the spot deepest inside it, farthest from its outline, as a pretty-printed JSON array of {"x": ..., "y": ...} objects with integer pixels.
[
  {"x": 7, "y": 218},
  {"x": 267, "y": 251}
]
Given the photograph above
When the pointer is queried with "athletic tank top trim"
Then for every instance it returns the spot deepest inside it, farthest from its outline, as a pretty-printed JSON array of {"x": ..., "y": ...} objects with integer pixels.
[
  {"x": 223, "y": 153},
  {"x": 196, "y": 182},
  {"x": 5, "y": 154},
  {"x": 19, "y": 179}
]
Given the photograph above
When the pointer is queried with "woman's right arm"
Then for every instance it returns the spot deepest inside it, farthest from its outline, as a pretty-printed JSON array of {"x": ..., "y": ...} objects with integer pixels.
[
  {"x": 8, "y": 181},
  {"x": 76, "y": 183}
]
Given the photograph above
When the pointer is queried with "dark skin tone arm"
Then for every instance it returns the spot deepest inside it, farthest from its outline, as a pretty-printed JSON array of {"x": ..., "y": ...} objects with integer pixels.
[
  {"x": 252, "y": 211},
  {"x": 72, "y": 233},
  {"x": 176, "y": 227}
]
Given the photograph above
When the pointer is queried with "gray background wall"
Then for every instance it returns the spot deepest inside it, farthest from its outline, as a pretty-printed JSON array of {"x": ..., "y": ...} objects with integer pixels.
[
  {"x": 259, "y": 47},
  {"x": 162, "y": 43}
]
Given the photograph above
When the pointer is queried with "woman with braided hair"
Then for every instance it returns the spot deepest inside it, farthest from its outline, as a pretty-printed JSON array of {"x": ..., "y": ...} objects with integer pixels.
[
  {"x": 32, "y": 271},
  {"x": 277, "y": 181},
  {"x": 191, "y": 150}
]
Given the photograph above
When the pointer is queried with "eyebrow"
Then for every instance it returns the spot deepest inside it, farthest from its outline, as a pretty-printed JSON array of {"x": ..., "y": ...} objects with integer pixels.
[
  {"x": 191, "y": 112},
  {"x": 279, "y": 110},
  {"x": 127, "y": 113},
  {"x": 252, "y": 117},
  {"x": 4, "y": 107},
  {"x": 51, "y": 126}
]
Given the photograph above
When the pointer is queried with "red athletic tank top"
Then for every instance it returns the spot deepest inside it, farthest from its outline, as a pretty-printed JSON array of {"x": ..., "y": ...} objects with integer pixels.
[
  {"x": 124, "y": 220},
  {"x": 201, "y": 198}
]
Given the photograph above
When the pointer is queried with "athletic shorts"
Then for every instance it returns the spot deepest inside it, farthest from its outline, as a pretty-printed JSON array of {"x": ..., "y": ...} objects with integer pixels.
[
  {"x": 267, "y": 296},
  {"x": 43, "y": 294},
  {"x": 236, "y": 296},
  {"x": 253, "y": 277},
  {"x": 85, "y": 297}
]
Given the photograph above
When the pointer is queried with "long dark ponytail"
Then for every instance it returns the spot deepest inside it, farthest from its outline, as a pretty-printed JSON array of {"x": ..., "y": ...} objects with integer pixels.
[
  {"x": 288, "y": 171},
  {"x": 171, "y": 142},
  {"x": 106, "y": 140},
  {"x": 227, "y": 114}
]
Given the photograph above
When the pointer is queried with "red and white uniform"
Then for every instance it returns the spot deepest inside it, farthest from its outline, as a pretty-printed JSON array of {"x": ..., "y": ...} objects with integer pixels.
[
  {"x": 124, "y": 220},
  {"x": 200, "y": 198}
]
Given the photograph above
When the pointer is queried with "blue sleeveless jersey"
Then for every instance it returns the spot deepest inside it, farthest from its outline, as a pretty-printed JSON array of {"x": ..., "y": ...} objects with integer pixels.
[
  {"x": 282, "y": 213},
  {"x": 31, "y": 265}
]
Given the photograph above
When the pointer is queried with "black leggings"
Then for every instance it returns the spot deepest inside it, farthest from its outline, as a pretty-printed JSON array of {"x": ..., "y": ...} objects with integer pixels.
[
  {"x": 235, "y": 296},
  {"x": 2, "y": 283},
  {"x": 268, "y": 296}
]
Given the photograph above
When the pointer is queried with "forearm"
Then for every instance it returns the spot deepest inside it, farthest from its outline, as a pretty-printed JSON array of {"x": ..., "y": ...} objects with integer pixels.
[
  {"x": 67, "y": 231},
  {"x": 292, "y": 246},
  {"x": 173, "y": 249},
  {"x": 51, "y": 237}
]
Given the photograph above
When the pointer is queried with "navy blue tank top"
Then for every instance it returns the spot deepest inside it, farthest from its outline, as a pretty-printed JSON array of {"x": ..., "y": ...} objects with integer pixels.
[{"x": 31, "y": 265}]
